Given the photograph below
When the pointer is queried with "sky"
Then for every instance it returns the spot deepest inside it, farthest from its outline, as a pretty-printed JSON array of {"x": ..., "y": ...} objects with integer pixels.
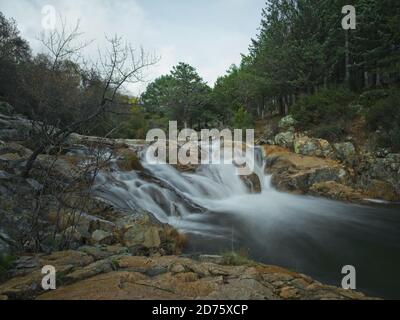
[{"x": 208, "y": 34}]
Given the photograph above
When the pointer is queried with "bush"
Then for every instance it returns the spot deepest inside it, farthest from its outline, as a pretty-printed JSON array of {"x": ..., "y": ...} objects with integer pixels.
[
  {"x": 383, "y": 114},
  {"x": 326, "y": 107},
  {"x": 332, "y": 132},
  {"x": 236, "y": 258},
  {"x": 6, "y": 262},
  {"x": 242, "y": 119}
]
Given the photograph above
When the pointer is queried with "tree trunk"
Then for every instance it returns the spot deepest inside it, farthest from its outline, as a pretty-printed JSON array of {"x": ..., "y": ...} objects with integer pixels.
[{"x": 347, "y": 58}]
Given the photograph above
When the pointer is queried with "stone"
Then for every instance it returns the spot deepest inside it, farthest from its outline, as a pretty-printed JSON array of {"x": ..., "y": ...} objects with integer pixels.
[
  {"x": 345, "y": 151},
  {"x": 96, "y": 268},
  {"x": 175, "y": 277},
  {"x": 211, "y": 258},
  {"x": 336, "y": 191},
  {"x": 102, "y": 237},
  {"x": 378, "y": 189},
  {"x": 312, "y": 147},
  {"x": 285, "y": 139},
  {"x": 252, "y": 182},
  {"x": 287, "y": 122}
]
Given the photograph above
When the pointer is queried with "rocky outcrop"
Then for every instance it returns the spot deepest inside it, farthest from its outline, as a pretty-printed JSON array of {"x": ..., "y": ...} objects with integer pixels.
[
  {"x": 379, "y": 175},
  {"x": 285, "y": 139},
  {"x": 336, "y": 191},
  {"x": 109, "y": 273},
  {"x": 252, "y": 183},
  {"x": 297, "y": 173},
  {"x": 14, "y": 128},
  {"x": 287, "y": 122},
  {"x": 313, "y": 147}
]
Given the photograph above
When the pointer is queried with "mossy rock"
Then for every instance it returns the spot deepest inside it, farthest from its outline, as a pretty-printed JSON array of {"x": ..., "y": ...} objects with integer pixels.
[{"x": 130, "y": 162}]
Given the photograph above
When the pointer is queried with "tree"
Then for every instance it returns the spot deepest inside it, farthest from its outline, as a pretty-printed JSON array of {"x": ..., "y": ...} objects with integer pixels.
[
  {"x": 118, "y": 64},
  {"x": 14, "y": 52},
  {"x": 182, "y": 96}
]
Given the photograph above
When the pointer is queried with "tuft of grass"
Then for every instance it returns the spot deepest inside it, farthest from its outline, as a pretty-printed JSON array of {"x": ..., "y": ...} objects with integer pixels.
[
  {"x": 177, "y": 239},
  {"x": 233, "y": 258},
  {"x": 130, "y": 163}
]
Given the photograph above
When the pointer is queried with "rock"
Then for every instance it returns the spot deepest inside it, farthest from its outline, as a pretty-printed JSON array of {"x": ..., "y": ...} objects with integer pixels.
[
  {"x": 182, "y": 278},
  {"x": 102, "y": 237},
  {"x": 377, "y": 189},
  {"x": 371, "y": 168},
  {"x": 6, "y": 108},
  {"x": 98, "y": 267},
  {"x": 142, "y": 236},
  {"x": 336, "y": 191},
  {"x": 102, "y": 252},
  {"x": 211, "y": 258},
  {"x": 287, "y": 122},
  {"x": 252, "y": 183},
  {"x": 345, "y": 151},
  {"x": 285, "y": 139},
  {"x": 3, "y": 298},
  {"x": 296, "y": 173},
  {"x": 128, "y": 160},
  {"x": 14, "y": 128},
  {"x": 312, "y": 147}
]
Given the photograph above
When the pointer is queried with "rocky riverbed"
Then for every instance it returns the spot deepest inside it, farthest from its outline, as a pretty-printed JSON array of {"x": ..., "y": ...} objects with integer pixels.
[{"x": 104, "y": 252}]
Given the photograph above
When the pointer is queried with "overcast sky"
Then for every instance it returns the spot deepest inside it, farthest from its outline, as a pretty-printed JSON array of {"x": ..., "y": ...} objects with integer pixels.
[{"x": 208, "y": 34}]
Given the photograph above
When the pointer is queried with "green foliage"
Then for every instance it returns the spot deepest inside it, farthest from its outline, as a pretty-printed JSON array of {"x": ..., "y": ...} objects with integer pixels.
[
  {"x": 135, "y": 127},
  {"x": 326, "y": 107},
  {"x": 181, "y": 96},
  {"x": 383, "y": 114},
  {"x": 242, "y": 119},
  {"x": 333, "y": 132},
  {"x": 6, "y": 262},
  {"x": 240, "y": 258}
]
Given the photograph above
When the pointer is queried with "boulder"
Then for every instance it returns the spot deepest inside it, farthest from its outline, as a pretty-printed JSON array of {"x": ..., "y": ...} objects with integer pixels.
[
  {"x": 252, "y": 183},
  {"x": 296, "y": 173},
  {"x": 336, "y": 191},
  {"x": 285, "y": 139},
  {"x": 379, "y": 175},
  {"x": 102, "y": 237},
  {"x": 344, "y": 151},
  {"x": 312, "y": 147},
  {"x": 377, "y": 189},
  {"x": 14, "y": 128},
  {"x": 287, "y": 122}
]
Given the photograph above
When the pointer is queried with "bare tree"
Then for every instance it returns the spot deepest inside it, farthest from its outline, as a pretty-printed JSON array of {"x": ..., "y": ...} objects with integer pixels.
[{"x": 118, "y": 64}]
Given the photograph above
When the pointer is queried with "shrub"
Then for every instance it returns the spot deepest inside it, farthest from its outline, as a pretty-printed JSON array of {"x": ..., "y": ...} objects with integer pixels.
[
  {"x": 384, "y": 115},
  {"x": 326, "y": 107},
  {"x": 242, "y": 119},
  {"x": 233, "y": 258},
  {"x": 6, "y": 262},
  {"x": 332, "y": 132}
]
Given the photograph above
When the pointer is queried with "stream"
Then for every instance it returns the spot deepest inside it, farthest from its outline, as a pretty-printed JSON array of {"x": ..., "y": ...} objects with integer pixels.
[{"x": 313, "y": 236}]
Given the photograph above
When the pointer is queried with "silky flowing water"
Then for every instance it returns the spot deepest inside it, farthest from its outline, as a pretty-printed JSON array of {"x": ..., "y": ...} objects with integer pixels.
[{"x": 309, "y": 235}]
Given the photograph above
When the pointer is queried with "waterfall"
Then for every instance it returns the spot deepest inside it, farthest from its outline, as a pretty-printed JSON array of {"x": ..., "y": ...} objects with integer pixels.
[
  {"x": 310, "y": 235},
  {"x": 179, "y": 198}
]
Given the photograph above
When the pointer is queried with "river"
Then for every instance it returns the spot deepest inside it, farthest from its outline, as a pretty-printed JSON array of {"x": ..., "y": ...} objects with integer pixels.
[{"x": 309, "y": 235}]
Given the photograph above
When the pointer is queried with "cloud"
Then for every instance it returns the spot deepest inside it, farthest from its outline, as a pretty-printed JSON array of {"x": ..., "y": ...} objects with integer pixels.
[{"x": 209, "y": 34}]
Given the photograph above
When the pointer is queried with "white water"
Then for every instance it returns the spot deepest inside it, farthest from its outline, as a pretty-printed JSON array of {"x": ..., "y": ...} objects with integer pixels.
[
  {"x": 181, "y": 198},
  {"x": 313, "y": 236}
]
